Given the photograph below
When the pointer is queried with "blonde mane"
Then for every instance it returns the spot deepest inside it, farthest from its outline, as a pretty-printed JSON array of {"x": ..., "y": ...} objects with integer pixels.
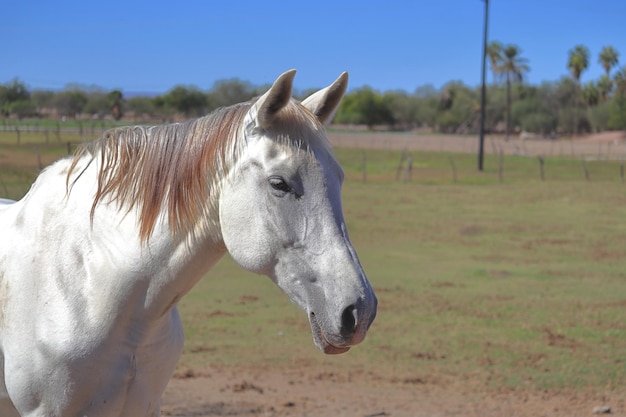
[{"x": 176, "y": 168}]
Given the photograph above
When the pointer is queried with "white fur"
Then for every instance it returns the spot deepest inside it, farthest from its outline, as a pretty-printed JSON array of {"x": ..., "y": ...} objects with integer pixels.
[{"x": 88, "y": 318}]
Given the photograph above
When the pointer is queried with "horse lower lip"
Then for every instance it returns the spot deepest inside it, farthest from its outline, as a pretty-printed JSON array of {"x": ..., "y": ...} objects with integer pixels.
[{"x": 321, "y": 341}]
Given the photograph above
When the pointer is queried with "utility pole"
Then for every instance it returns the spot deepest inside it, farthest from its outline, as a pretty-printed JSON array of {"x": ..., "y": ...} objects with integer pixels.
[{"x": 481, "y": 144}]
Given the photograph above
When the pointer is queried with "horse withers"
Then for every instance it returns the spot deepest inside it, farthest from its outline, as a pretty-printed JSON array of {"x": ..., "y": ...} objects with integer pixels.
[{"x": 95, "y": 257}]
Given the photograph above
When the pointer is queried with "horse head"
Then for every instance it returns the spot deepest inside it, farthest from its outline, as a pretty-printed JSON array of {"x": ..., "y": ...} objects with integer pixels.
[{"x": 281, "y": 215}]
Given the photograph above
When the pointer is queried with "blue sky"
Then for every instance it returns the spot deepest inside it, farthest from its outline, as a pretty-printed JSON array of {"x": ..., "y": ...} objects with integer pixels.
[{"x": 151, "y": 46}]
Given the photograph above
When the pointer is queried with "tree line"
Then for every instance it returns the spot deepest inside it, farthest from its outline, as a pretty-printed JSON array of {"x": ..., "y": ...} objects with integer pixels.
[{"x": 554, "y": 107}]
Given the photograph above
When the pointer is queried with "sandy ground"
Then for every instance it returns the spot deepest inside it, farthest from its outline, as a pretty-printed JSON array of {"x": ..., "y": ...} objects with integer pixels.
[
  {"x": 606, "y": 145},
  {"x": 312, "y": 392}
]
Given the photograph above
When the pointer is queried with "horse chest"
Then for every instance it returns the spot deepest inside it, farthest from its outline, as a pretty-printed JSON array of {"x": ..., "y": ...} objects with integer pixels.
[{"x": 114, "y": 376}]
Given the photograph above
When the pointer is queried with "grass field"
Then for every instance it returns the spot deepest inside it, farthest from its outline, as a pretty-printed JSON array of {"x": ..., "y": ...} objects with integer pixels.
[
  {"x": 516, "y": 283},
  {"x": 521, "y": 286}
]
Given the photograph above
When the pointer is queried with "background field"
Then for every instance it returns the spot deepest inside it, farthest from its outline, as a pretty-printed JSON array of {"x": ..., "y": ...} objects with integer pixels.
[{"x": 488, "y": 283}]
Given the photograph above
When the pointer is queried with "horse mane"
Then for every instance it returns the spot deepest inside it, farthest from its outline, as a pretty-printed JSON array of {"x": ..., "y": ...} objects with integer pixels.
[{"x": 176, "y": 168}]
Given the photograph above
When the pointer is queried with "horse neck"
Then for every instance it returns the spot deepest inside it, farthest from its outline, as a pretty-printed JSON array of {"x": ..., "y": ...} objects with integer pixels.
[
  {"x": 182, "y": 263},
  {"x": 175, "y": 263},
  {"x": 166, "y": 265}
]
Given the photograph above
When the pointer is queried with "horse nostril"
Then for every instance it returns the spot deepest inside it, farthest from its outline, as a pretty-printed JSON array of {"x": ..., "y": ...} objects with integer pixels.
[{"x": 348, "y": 320}]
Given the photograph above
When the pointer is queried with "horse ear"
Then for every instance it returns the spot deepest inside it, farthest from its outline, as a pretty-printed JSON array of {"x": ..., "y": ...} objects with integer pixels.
[
  {"x": 277, "y": 97},
  {"x": 325, "y": 102}
]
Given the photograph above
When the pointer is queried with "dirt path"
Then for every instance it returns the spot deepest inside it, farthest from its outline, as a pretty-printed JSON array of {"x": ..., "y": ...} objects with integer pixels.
[
  {"x": 611, "y": 145},
  {"x": 311, "y": 392}
]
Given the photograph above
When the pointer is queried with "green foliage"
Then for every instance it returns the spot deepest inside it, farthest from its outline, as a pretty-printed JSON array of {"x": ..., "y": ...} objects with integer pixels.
[
  {"x": 71, "y": 102},
  {"x": 573, "y": 120},
  {"x": 578, "y": 61},
  {"x": 141, "y": 105},
  {"x": 544, "y": 123},
  {"x": 189, "y": 101},
  {"x": 364, "y": 106},
  {"x": 559, "y": 106},
  {"x": 608, "y": 58},
  {"x": 458, "y": 108},
  {"x": 97, "y": 105},
  {"x": 227, "y": 92},
  {"x": 10, "y": 93},
  {"x": 402, "y": 109},
  {"x": 114, "y": 100},
  {"x": 22, "y": 109},
  {"x": 599, "y": 116},
  {"x": 617, "y": 117},
  {"x": 566, "y": 92},
  {"x": 591, "y": 94}
]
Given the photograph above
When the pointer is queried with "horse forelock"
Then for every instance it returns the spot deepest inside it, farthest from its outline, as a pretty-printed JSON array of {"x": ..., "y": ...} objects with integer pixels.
[{"x": 175, "y": 169}]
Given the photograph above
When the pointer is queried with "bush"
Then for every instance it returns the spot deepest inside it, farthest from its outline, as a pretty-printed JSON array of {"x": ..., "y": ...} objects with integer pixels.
[
  {"x": 539, "y": 122},
  {"x": 572, "y": 120},
  {"x": 23, "y": 108},
  {"x": 599, "y": 116},
  {"x": 617, "y": 117}
]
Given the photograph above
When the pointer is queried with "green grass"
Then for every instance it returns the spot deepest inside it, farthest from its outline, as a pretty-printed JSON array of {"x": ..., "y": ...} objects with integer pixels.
[{"x": 519, "y": 284}]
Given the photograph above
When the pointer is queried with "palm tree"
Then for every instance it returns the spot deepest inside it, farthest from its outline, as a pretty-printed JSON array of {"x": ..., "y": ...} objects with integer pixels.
[
  {"x": 620, "y": 80},
  {"x": 494, "y": 52},
  {"x": 608, "y": 58},
  {"x": 577, "y": 63},
  {"x": 618, "y": 107},
  {"x": 605, "y": 86},
  {"x": 115, "y": 99},
  {"x": 512, "y": 67},
  {"x": 591, "y": 94}
]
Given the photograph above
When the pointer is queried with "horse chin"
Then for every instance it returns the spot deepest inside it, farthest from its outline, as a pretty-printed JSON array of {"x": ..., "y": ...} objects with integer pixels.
[{"x": 320, "y": 340}]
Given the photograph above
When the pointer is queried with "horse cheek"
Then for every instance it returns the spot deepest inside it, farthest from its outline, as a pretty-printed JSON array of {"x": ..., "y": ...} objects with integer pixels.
[{"x": 243, "y": 231}]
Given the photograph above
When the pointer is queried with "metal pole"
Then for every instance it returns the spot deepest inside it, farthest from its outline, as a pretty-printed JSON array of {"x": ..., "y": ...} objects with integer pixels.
[{"x": 481, "y": 145}]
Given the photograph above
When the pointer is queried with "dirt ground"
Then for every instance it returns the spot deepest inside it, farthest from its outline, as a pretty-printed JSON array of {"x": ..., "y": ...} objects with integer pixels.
[
  {"x": 313, "y": 392},
  {"x": 605, "y": 145}
]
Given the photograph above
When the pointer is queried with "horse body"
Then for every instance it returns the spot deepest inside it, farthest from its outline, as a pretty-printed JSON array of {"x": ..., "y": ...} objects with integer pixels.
[
  {"x": 90, "y": 271},
  {"x": 75, "y": 339}
]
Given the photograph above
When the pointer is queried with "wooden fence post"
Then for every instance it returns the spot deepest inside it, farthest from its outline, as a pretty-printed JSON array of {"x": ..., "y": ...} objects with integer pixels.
[
  {"x": 541, "y": 163},
  {"x": 409, "y": 168},
  {"x": 39, "y": 164},
  {"x": 400, "y": 165}
]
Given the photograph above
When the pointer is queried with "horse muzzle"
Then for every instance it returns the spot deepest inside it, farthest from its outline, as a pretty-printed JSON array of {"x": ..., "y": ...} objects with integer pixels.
[{"x": 353, "y": 323}]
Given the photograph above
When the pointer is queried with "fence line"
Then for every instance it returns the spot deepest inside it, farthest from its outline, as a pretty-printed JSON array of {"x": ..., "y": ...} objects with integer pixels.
[
  {"x": 588, "y": 156},
  {"x": 574, "y": 148}
]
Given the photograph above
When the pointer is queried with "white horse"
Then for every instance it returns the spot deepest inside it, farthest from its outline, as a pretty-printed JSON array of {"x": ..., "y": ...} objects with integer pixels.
[{"x": 94, "y": 259}]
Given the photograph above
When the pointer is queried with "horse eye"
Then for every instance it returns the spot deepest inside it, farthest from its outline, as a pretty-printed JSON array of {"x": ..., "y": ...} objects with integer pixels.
[{"x": 279, "y": 184}]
